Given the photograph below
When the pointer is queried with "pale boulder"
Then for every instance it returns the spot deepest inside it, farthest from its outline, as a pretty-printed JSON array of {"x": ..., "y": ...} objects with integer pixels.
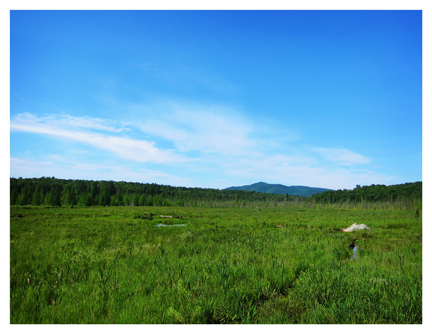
[{"x": 356, "y": 227}]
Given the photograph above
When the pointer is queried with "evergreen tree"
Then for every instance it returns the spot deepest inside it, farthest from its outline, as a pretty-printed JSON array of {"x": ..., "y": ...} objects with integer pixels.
[
  {"x": 41, "y": 197},
  {"x": 135, "y": 200},
  {"x": 47, "y": 199},
  {"x": 55, "y": 199},
  {"x": 24, "y": 198},
  {"x": 142, "y": 200},
  {"x": 64, "y": 199},
  {"x": 119, "y": 198},
  {"x": 36, "y": 197},
  {"x": 85, "y": 200},
  {"x": 94, "y": 192},
  {"x": 158, "y": 200},
  {"x": 71, "y": 198},
  {"x": 14, "y": 196},
  {"x": 104, "y": 198},
  {"x": 126, "y": 200}
]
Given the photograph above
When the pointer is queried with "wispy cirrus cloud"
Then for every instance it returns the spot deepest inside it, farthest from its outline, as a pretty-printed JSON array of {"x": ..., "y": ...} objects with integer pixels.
[
  {"x": 68, "y": 121},
  {"x": 127, "y": 148},
  {"x": 91, "y": 123},
  {"x": 342, "y": 156},
  {"x": 193, "y": 126}
]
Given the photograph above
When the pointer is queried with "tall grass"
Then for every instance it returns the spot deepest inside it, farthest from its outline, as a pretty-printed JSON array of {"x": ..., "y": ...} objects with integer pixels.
[{"x": 227, "y": 265}]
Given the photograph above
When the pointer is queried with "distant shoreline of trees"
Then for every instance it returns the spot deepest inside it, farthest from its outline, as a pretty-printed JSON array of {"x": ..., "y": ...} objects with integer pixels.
[
  {"x": 372, "y": 193},
  {"x": 57, "y": 192},
  {"x": 60, "y": 192}
]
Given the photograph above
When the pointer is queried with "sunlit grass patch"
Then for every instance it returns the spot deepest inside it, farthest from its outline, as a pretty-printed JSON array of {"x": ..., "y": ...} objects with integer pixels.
[{"x": 231, "y": 265}]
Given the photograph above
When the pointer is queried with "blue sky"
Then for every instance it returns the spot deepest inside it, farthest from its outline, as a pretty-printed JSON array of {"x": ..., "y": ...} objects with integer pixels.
[{"x": 217, "y": 98}]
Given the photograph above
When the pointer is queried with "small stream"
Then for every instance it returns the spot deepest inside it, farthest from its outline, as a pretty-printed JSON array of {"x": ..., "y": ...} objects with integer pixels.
[
  {"x": 163, "y": 225},
  {"x": 354, "y": 253}
]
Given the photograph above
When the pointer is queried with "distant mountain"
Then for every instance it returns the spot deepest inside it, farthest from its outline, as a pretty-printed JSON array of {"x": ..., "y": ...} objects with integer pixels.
[{"x": 280, "y": 189}]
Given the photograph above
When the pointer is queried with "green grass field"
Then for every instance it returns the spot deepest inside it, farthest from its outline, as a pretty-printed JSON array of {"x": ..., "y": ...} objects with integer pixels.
[{"x": 110, "y": 265}]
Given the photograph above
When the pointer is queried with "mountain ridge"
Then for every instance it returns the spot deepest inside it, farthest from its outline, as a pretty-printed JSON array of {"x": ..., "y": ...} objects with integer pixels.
[{"x": 280, "y": 189}]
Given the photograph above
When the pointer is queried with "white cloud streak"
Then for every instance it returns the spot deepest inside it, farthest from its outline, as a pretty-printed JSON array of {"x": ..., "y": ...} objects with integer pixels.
[
  {"x": 342, "y": 156},
  {"x": 67, "y": 121},
  {"x": 208, "y": 129},
  {"x": 131, "y": 149},
  {"x": 92, "y": 123}
]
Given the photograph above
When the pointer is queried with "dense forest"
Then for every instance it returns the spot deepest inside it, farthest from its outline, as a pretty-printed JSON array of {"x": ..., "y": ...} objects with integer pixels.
[
  {"x": 373, "y": 193},
  {"x": 56, "y": 192}
]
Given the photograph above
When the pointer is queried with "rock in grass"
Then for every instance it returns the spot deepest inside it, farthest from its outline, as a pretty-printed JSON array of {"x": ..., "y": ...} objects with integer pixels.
[{"x": 356, "y": 227}]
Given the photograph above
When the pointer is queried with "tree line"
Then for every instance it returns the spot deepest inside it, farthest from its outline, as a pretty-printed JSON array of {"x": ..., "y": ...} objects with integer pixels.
[
  {"x": 410, "y": 191},
  {"x": 57, "y": 192}
]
